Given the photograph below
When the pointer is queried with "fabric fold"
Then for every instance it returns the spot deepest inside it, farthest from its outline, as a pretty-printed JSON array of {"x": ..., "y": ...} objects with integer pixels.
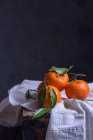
[
  {"x": 10, "y": 116},
  {"x": 75, "y": 123},
  {"x": 69, "y": 120}
]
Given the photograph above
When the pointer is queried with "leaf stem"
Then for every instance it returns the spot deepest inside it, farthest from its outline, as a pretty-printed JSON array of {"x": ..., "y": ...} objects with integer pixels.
[
  {"x": 33, "y": 90},
  {"x": 28, "y": 94},
  {"x": 75, "y": 76}
]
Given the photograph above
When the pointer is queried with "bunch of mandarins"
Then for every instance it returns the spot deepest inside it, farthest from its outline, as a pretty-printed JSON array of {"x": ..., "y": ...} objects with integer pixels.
[{"x": 56, "y": 80}]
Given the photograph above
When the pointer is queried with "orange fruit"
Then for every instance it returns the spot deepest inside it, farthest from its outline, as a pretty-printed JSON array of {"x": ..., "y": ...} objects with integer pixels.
[
  {"x": 40, "y": 86},
  {"x": 47, "y": 101},
  {"x": 54, "y": 79},
  {"x": 77, "y": 89}
]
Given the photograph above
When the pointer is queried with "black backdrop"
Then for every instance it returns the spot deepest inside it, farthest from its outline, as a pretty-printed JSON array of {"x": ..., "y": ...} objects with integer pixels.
[{"x": 36, "y": 34}]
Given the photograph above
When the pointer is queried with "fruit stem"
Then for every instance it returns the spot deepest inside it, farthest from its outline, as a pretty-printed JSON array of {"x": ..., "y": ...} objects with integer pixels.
[
  {"x": 28, "y": 94},
  {"x": 33, "y": 90},
  {"x": 70, "y": 68},
  {"x": 75, "y": 76}
]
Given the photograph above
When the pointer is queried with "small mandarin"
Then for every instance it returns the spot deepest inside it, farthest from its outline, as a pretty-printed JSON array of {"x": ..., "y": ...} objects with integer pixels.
[
  {"x": 77, "y": 89},
  {"x": 47, "y": 103}
]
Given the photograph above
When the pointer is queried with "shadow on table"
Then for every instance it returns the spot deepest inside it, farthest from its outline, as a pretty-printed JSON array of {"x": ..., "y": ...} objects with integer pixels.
[{"x": 12, "y": 133}]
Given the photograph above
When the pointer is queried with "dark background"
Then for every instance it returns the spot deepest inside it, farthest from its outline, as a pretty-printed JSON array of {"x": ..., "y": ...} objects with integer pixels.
[{"x": 36, "y": 34}]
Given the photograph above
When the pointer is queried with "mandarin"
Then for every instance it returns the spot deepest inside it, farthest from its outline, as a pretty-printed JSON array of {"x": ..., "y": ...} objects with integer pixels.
[
  {"x": 47, "y": 101},
  {"x": 77, "y": 89},
  {"x": 40, "y": 86},
  {"x": 54, "y": 79}
]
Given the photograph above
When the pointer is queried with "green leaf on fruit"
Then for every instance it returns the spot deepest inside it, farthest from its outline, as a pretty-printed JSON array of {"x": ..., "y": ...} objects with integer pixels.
[
  {"x": 42, "y": 95},
  {"x": 53, "y": 97},
  {"x": 60, "y": 70},
  {"x": 41, "y": 112}
]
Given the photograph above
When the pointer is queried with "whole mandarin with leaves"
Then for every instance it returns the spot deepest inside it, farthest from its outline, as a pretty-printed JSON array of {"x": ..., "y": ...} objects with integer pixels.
[
  {"x": 47, "y": 96},
  {"x": 77, "y": 89},
  {"x": 57, "y": 77}
]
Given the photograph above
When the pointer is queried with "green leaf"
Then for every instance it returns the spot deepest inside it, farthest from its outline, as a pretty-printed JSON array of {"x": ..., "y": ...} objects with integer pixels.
[
  {"x": 42, "y": 95},
  {"x": 41, "y": 112},
  {"x": 53, "y": 97},
  {"x": 60, "y": 70}
]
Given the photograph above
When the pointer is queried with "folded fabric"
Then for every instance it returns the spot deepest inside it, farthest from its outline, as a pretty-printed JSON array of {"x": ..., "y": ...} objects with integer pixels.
[
  {"x": 10, "y": 115},
  {"x": 71, "y": 120},
  {"x": 18, "y": 92},
  {"x": 10, "y": 107}
]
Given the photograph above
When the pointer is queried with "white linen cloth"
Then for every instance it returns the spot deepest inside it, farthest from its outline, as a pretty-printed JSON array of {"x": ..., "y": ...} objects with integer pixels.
[
  {"x": 74, "y": 123},
  {"x": 10, "y": 107},
  {"x": 18, "y": 92}
]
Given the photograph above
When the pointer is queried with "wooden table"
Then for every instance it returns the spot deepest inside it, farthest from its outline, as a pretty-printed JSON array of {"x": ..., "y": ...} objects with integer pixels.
[
  {"x": 29, "y": 130},
  {"x": 34, "y": 128}
]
